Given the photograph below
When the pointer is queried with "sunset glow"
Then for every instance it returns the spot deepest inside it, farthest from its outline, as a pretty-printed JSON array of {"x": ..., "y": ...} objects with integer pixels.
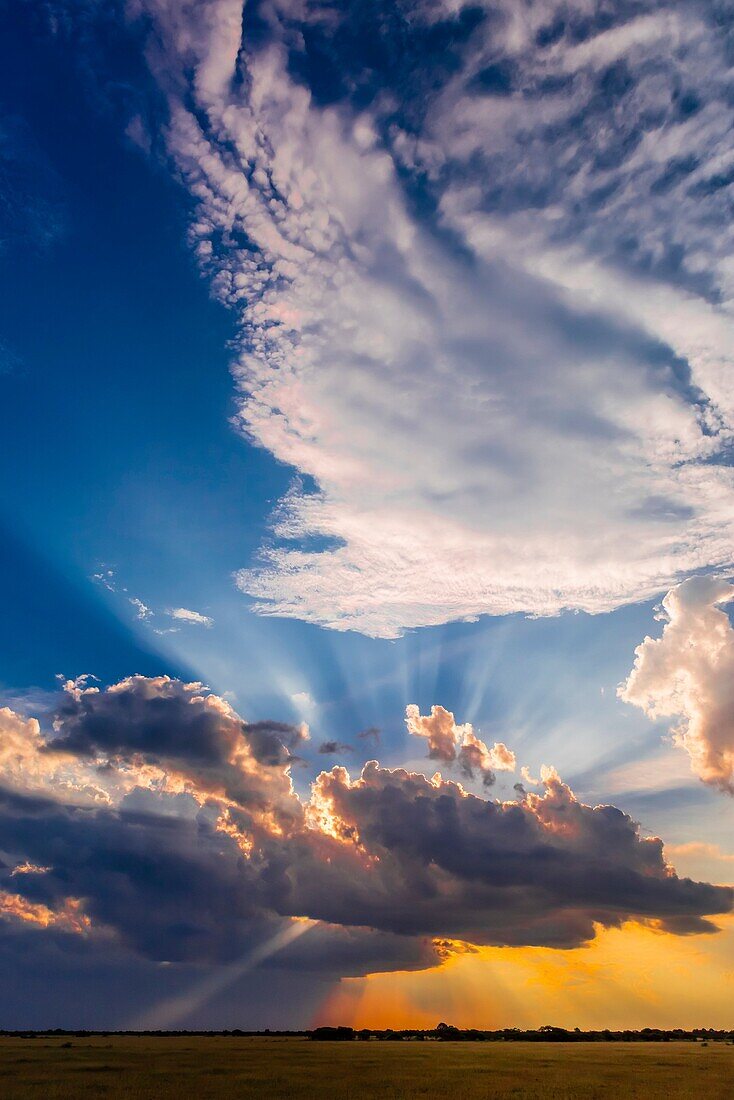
[{"x": 367, "y": 397}]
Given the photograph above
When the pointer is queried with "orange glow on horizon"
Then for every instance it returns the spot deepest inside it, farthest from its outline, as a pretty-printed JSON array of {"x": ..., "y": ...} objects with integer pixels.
[{"x": 632, "y": 977}]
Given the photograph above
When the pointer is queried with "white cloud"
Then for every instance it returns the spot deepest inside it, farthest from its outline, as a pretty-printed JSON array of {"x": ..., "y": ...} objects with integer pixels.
[
  {"x": 525, "y": 411},
  {"x": 688, "y": 674},
  {"x": 450, "y": 742},
  {"x": 304, "y": 703},
  {"x": 143, "y": 612},
  {"x": 184, "y": 615},
  {"x": 106, "y": 578}
]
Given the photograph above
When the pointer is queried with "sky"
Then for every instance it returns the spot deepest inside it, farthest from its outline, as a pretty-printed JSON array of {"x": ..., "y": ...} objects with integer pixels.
[{"x": 367, "y": 401}]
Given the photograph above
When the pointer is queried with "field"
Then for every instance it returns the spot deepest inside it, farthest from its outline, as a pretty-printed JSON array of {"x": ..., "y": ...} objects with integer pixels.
[{"x": 275, "y": 1068}]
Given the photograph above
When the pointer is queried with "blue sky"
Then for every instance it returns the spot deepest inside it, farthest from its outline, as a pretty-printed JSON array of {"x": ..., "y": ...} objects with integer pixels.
[{"x": 426, "y": 402}]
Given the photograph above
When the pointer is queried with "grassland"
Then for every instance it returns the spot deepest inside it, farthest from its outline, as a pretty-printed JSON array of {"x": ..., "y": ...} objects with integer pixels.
[{"x": 279, "y": 1068}]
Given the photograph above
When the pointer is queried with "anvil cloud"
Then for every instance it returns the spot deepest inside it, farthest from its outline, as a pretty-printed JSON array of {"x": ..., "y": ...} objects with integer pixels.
[{"x": 483, "y": 283}]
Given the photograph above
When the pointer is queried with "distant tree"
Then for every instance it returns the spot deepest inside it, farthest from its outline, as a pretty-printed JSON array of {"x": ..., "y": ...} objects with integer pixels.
[
  {"x": 447, "y": 1032},
  {"x": 331, "y": 1034}
]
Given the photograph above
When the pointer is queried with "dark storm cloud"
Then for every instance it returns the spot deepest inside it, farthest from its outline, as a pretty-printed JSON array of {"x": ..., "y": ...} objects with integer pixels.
[
  {"x": 161, "y": 862},
  {"x": 344, "y": 951},
  {"x": 171, "y": 888},
  {"x": 180, "y": 727},
  {"x": 441, "y": 862},
  {"x": 161, "y": 718}
]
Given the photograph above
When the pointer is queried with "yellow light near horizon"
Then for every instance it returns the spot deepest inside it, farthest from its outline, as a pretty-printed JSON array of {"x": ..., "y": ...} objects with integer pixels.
[{"x": 631, "y": 977}]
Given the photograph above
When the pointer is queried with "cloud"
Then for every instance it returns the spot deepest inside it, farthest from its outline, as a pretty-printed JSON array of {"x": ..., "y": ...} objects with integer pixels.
[
  {"x": 180, "y": 737},
  {"x": 450, "y": 742},
  {"x": 332, "y": 748},
  {"x": 201, "y": 848},
  {"x": 446, "y": 863},
  {"x": 29, "y": 869},
  {"x": 700, "y": 848},
  {"x": 304, "y": 703},
  {"x": 69, "y": 916},
  {"x": 106, "y": 578},
  {"x": 440, "y": 730},
  {"x": 484, "y": 294},
  {"x": 168, "y": 865},
  {"x": 688, "y": 673},
  {"x": 184, "y": 615},
  {"x": 143, "y": 612},
  {"x": 25, "y": 765},
  {"x": 527, "y": 778}
]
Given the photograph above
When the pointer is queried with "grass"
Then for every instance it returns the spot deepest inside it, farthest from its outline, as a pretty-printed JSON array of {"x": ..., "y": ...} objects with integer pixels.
[{"x": 296, "y": 1069}]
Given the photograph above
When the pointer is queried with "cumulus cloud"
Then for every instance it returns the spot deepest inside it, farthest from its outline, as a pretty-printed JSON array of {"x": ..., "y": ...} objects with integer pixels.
[
  {"x": 181, "y": 736},
  {"x": 688, "y": 673},
  {"x": 25, "y": 764},
  {"x": 202, "y": 847},
  {"x": 540, "y": 871},
  {"x": 451, "y": 742},
  {"x": 484, "y": 293},
  {"x": 106, "y": 578},
  {"x": 141, "y": 609},
  {"x": 195, "y": 618}
]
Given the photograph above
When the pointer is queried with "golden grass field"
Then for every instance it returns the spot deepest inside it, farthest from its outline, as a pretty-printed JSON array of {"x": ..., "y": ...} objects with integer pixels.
[{"x": 274, "y": 1068}]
